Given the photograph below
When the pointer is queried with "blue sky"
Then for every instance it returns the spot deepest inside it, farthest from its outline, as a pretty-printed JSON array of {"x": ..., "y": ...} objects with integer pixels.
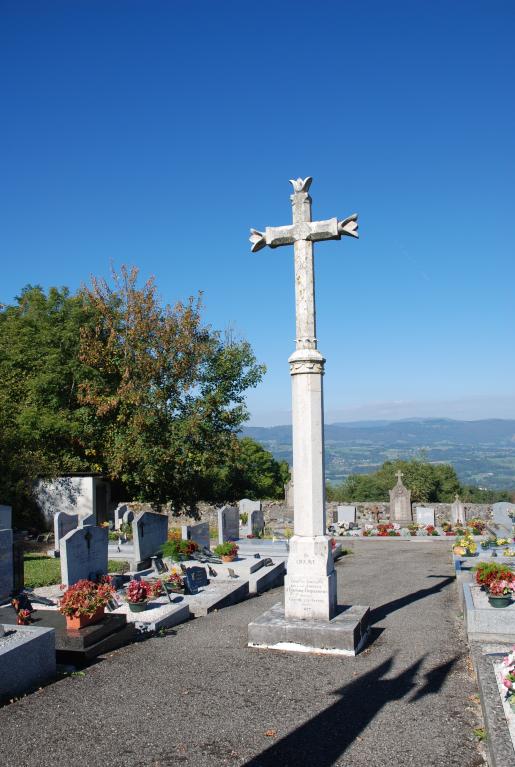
[{"x": 157, "y": 132}]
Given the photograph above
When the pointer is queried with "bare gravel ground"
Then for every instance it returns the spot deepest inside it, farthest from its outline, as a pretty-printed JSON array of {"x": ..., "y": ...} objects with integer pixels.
[{"x": 200, "y": 697}]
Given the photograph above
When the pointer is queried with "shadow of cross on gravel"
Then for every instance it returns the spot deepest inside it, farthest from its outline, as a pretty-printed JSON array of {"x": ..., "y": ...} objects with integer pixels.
[
  {"x": 380, "y": 613},
  {"x": 324, "y": 738}
]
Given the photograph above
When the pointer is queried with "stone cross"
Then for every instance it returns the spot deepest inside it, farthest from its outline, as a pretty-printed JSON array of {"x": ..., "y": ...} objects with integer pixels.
[
  {"x": 310, "y": 590},
  {"x": 399, "y": 476}
]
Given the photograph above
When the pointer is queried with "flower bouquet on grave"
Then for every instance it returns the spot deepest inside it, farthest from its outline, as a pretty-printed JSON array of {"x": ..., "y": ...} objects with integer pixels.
[
  {"x": 507, "y": 677},
  {"x": 139, "y": 593},
  {"x": 227, "y": 551},
  {"x": 431, "y": 530},
  {"x": 500, "y": 591},
  {"x": 84, "y": 603},
  {"x": 413, "y": 528},
  {"x": 175, "y": 582},
  {"x": 476, "y": 526},
  {"x": 465, "y": 546},
  {"x": 179, "y": 549}
]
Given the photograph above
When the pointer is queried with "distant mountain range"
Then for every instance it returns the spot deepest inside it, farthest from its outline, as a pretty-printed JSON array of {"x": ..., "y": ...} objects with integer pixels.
[{"x": 482, "y": 452}]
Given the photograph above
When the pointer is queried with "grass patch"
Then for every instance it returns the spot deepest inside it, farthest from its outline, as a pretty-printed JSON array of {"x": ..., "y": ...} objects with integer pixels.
[{"x": 41, "y": 570}]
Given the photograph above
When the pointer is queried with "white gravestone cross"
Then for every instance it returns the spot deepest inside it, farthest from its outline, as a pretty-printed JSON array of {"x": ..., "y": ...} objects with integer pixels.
[{"x": 310, "y": 586}]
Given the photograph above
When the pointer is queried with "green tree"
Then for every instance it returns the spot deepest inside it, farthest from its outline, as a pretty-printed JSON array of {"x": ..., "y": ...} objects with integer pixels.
[
  {"x": 109, "y": 380},
  {"x": 253, "y": 473},
  {"x": 167, "y": 393},
  {"x": 41, "y": 421}
]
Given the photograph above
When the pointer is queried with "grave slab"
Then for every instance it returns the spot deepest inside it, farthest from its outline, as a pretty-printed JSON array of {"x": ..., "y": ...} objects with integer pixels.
[
  {"x": 159, "y": 614},
  {"x": 345, "y": 634},
  {"x": 111, "y": 632},
  {"x": 485, "y": 623},
  {"x": 217, "y": 595},
  {"x": 267, "y": 578},
  {"x": 27, "y": 659}
]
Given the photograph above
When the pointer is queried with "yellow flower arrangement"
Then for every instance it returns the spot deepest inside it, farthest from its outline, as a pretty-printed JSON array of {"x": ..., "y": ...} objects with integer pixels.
[{"x": 465, "y": 545}]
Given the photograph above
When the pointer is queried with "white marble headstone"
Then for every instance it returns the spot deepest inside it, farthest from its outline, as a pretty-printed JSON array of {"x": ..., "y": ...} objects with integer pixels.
[
  {"x": 425, "y": 515},
  {"x": 346, "y": 513},
  {"x": 63, "y": 524},
  {"x": 500, "y": 516}
]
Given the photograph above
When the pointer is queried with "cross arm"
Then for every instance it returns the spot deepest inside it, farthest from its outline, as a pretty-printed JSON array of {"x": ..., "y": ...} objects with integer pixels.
[{"x": 313, "y": 231}]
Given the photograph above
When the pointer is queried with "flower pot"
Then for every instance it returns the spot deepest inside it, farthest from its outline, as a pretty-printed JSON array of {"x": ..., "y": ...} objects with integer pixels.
[
  {"x": 138, "y": 607},
  {"x": 80, "y": 621},
  {"x": 228, "y": 557},
  {"x": 504, "y": 601}
]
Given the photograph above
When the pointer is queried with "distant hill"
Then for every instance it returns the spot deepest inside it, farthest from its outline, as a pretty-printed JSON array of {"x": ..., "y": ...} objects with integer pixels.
[{"x": 482, "y": 452}]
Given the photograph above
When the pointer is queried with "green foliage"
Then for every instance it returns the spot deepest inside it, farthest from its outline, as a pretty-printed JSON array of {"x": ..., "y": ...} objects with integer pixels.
[
  {"x": 41, "y": 570},
  {"x": 427, "y": 482},
  {"x": 227, "y": 549},
  {"x": 250, "y": 471},
  {"x": 110, "y": 381},
  {"x": 176, "y": 548}
]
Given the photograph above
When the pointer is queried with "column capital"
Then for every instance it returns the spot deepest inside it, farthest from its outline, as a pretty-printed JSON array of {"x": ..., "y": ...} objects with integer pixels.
[{"x": 306, "y": 361}]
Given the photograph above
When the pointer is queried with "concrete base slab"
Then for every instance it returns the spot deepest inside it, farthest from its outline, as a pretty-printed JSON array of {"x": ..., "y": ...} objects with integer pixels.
[
  {"x": 27, "y": 659},
  {"x": 267, "y": 578},
  {"x": 345, "y": 634},
  {"x": 483, "y": 622},
  {"x": 217, "y": 595},
  {"x": 159, "y": 614}
]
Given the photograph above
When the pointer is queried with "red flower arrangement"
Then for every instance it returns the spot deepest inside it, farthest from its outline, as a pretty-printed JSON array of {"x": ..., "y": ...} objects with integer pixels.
[
  {"x": 23, "y": 617},
  {"x": 142, "y": 591},
  {"x": 85, "y": 598},
  {"x": 489, "y": 572}
]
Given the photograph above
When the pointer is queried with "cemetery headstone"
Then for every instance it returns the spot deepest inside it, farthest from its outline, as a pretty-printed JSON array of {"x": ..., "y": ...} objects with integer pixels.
[
  {"x": 346, "y": 514},
  {"x": 149, "y": 533},
  {"x": 87, "y": 520},
  {"x": 245, "y": 506},
  {"x": 6, "y": 513},
  {"x": 6, "y": 563},
  {"x": 400, "y": 502},
  {"x": 158, "y": 565},
  {"x": 197, "y": 533},
  {"x": 256, "y": 523},
  {"x": 425, "y": 515},
  {"x": 198, "y": 576},
  {"x": 228, "y": 524},
  {"x": 83, "y": 554},
  {"x": 64, "y": 523},
  {"x": 457, "y": 512},
  {"x": 501, "y": 518},
  {"x": 128, "y": 517},
  {"x": 118, "y": 515}
]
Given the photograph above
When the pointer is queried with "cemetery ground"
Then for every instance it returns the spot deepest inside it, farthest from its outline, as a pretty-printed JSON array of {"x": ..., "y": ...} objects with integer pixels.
[{"x": 197, "y": 695}]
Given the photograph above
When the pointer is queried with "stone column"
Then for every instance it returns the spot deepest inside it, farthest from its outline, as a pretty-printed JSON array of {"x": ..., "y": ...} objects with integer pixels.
[{"x": 310, "y": 585}]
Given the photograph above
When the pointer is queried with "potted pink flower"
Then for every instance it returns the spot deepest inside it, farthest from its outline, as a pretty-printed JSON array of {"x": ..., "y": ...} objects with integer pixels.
[{"x": 500, "y": 591}]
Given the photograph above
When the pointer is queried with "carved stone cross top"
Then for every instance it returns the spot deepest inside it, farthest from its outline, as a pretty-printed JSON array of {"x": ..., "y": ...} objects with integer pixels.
[
  {"x": 302, "y": 234},
  {"x": 399, "y": 476},
  {"x": 303, "y": 228}
]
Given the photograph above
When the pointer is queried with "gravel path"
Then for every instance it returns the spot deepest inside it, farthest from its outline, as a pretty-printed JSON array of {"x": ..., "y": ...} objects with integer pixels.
[{"x": 200, "y": 697}]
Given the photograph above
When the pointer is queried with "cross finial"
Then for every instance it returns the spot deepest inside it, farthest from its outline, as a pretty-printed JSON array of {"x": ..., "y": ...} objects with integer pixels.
[
  {"x": 399, "y": 476},
  {"x": 301, "y": 184}
]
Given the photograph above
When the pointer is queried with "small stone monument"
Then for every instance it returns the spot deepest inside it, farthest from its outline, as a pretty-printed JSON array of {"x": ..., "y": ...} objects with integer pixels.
[
  {"x": 309, "y": 620},
  {"x": 502, "y": 521},
  {"x": 199, "y": 534},
  {"x": 118, "y": 515},
  {"x": 400, "y": 503},
  {"x": 6, "y": 553},
  {"x": 64, "y": 523},
  {"x": 228, "y": 524},
  {"x": 346, "y": 514},
  {"x": 149, "y": 533},
  {"x": 457, "y": 512},
  {"x": 83, "y": 554},
  {"x": 425, "y": 515}
]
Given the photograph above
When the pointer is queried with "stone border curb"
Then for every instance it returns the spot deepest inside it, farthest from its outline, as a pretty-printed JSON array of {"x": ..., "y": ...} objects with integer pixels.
[{"x": 498, "y": 743}]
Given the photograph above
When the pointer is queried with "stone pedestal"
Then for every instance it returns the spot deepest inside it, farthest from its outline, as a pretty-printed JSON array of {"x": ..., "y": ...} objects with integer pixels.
[{"x": 310, "y": 585}]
